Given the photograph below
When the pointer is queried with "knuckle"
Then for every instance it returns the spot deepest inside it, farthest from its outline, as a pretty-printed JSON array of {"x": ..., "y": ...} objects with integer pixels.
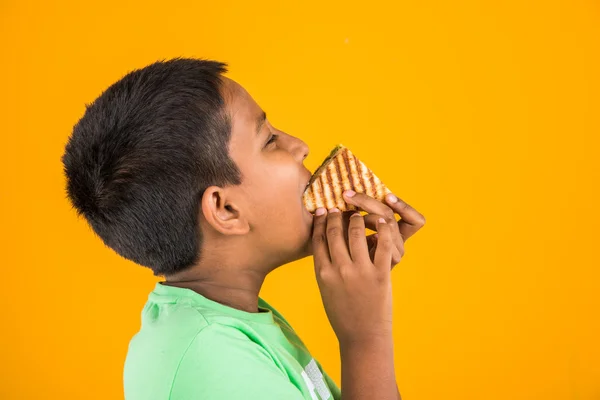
[
  {"x": 347, "y": 271},
  {"x": 397, "y": 255},
  {"x": 356, "y": 232},
  {"x": 319, "y": 225},
  {"x": 388, "y": 214},
  {"x": 358, "y": 197},
  {"x": 382, "y": 277},
  {"x": 404, "y": 206},
  {"x": 386, "y": 243},
  {"x": 325, "y": 274},
  {"x": 334, "y": 231},
  {"x": 319, "y": 238}
]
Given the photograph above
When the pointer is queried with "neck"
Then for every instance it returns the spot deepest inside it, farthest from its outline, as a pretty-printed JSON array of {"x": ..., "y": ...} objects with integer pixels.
[{"x": 233, "y": 286}]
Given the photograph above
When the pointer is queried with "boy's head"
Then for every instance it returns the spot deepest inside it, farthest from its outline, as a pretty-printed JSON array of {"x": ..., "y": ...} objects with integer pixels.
[{"x": 175, "y": 163}]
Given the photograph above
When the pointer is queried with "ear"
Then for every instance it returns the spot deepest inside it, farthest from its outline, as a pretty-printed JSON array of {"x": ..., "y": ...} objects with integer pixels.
[{"x": 222, "y": 213}]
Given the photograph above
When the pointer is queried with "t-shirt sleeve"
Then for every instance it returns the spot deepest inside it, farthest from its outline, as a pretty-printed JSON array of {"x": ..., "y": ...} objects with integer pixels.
[{"x": 223, "y": 363}]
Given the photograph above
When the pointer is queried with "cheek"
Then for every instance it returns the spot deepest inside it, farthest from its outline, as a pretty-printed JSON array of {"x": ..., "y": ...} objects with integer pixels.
[
  {"x": 280, "y": 188},
  {"x": 279, "y": 212},
  {"x": 271, "y": 209},
  {"x": 277, "y": 199}
]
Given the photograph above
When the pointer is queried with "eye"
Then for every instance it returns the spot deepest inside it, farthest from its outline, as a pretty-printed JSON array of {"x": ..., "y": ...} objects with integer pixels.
[{"x": 272, "y": 139}]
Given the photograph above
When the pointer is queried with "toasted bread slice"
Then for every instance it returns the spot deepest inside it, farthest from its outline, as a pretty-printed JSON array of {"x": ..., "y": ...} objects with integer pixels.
[{"x": 341, "y": 171}]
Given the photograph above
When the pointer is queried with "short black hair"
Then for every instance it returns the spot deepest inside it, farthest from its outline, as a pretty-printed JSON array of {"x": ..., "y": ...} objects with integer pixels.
[{"x": 139, "y": 160}]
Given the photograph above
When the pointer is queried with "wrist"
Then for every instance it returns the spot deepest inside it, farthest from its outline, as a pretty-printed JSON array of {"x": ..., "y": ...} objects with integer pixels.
[{"x": 372, "y": 342}]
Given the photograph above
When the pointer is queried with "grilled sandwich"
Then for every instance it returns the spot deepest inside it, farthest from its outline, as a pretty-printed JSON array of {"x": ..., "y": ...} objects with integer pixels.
[{"x": 341, "y": 171}]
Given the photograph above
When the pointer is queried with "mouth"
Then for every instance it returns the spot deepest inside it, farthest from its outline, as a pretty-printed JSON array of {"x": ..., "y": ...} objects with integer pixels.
[
  {"x": 308, "y": 182},
  {"x": 305, "y": 188}
]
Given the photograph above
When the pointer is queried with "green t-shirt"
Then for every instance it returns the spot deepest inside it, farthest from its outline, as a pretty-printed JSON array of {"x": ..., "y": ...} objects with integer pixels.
[{"x": 190, "y": 347}]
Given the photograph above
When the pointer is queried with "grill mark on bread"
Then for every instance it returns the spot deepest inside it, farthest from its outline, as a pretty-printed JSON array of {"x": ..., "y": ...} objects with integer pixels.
[
  {"x": 341, "y": 204},
  {"x": 351, "y": 178},
  {"x": 315, "y": 193},
  {"x": 336, "y": 164},
  {"x": 345, "y": 173},
  {"x": 348, "y": 171},
  {"x": 361, "y": 178},
  {"x": 372, "y": 182},
  {"x": 332, "y": 184},
  {"x": 356, "y": 174},
  {"x": 328, "y": 186},
  {"x": 319, "y": 193},
  {"x": 379, "y": 187},
  {"x": 318, "y": 190},
  {"x": 306, "y": 199},
  {"x": 366, "y": 178}
]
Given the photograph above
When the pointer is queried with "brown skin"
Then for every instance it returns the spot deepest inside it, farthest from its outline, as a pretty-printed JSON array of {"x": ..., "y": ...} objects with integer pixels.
[
  {"x": 251, "y": 229},
  {"x": 355, "y": 284}
]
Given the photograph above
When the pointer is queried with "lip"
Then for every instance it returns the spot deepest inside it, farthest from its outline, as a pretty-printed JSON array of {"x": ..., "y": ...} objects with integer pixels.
[
  {"x": 305, "y": 211},
  {"x": 303, "y": 192},
  {"x": 305, "y": 187}
]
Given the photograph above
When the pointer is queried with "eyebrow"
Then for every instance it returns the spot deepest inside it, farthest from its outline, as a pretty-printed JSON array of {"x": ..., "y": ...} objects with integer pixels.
[{"x": 260, "y": 122}]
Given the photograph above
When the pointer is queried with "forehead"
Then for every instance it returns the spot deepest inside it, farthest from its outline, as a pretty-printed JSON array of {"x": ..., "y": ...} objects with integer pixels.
[
  {"x": 244, "y": 113},
  {"x": 241, "y": 106}
]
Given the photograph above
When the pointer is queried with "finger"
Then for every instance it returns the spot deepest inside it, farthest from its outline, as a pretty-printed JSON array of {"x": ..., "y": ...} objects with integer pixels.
[
  {"x": 359, "y": 251},
  {"x": 335, "y": 238},
  {"x": 346, "y": 223},
  {"x": 372, "y": 240},
  {"x": 397, "y": 252},
  {"x": 370, "y": 205},
  {"x": 397, "y": 239},
  {"x": 373, "y": 206},
  {"x": 371, "y": 221},
  {"x": 385, "y": 246},
  {"x": 410, "y": 219},
  {"x": 319, "y": 240}
]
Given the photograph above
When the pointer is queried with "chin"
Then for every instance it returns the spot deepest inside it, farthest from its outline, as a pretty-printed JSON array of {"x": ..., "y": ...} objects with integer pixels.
[
  {"x": 306, "y": 249},
  {"x": 302, "y": 250},
  {"x": 308, "y": 230},
  {"x": 309, "y": 250}
]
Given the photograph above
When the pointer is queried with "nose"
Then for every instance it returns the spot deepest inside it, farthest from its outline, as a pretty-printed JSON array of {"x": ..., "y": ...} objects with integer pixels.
[
  {"x": 300, "y": 149},
  {"x": 304, "y": 149}
]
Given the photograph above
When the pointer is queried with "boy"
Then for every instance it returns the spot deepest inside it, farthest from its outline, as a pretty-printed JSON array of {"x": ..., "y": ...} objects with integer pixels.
[{"x": 176, "y": 168}]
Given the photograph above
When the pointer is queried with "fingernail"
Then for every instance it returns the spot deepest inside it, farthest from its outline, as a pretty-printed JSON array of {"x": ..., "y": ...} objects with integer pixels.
[
  {"x": 376, "y": 236},
  {"x": 320, "y": 211},
  {"x": 333, "y": 210},
  {"x": 381, "y": 221},
  {"x": 391, "y": 198},
  {"x": 356, "y": 215},
  {"x": 349, "y": 193}
]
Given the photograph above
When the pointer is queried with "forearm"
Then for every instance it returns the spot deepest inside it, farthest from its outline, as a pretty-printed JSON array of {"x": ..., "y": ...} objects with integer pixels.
[{"x": 368, "y": 370}]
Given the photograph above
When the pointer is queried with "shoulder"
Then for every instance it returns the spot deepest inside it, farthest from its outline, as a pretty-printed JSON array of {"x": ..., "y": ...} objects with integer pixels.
[
  {"x": 223, "y": 362},
  {"x": 215, "y": 341}
]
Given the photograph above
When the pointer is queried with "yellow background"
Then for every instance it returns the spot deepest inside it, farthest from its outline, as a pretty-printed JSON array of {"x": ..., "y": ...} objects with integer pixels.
[{"x": 483, "y": 116}]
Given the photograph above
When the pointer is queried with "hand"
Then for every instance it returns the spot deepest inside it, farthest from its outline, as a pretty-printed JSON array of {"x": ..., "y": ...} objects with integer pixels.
[
  {"x": 411, "y": 220},
  {"x": 356, "y": 291}
]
